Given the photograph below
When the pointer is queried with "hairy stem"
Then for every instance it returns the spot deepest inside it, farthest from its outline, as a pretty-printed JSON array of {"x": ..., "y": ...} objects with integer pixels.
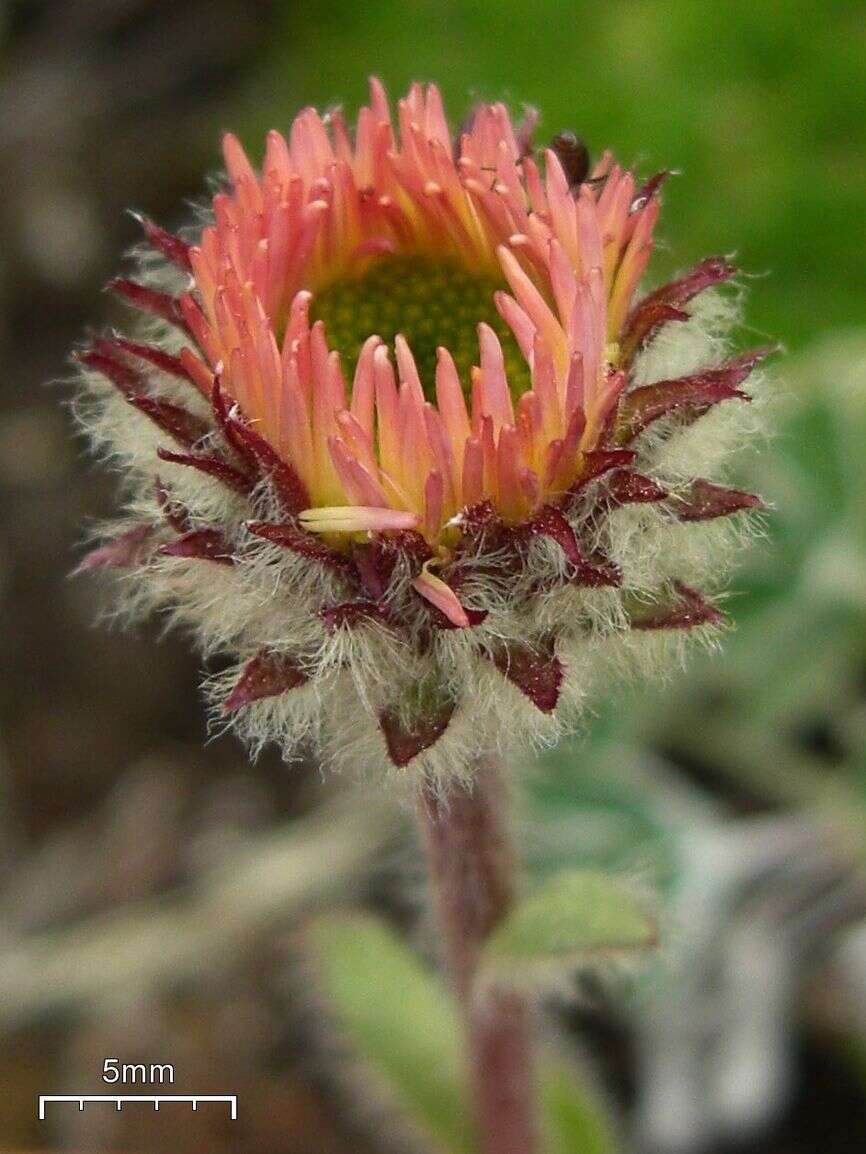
[{"x": 471, "y": 865}]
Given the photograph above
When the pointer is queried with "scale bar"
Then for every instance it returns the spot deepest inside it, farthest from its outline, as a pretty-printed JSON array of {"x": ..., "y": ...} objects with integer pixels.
[{"x": 156, "y": 1099}]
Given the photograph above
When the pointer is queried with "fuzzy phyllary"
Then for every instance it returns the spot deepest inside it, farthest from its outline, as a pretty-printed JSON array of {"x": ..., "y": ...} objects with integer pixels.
[{"x": 407, "y": 446}]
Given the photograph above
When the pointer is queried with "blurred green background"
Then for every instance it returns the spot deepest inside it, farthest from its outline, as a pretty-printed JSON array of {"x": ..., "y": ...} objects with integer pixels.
[{"x": 739, "y": 788}]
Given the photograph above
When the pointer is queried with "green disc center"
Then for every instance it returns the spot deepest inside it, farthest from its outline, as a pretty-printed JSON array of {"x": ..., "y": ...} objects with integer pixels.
[{"x": 432, "y": 302}]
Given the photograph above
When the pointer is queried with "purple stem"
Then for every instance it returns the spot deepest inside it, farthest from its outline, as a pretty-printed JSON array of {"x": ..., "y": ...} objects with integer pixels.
[{"x": 471, "y": 866}]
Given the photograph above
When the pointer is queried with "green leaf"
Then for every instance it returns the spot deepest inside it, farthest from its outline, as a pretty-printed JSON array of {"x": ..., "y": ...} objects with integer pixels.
[
  {"x": 403, "y": 1024},
  {"x": 574, "y": 916},
  {"x": 399, "y": 1019},
  {"x": 573, "y": 1119}
]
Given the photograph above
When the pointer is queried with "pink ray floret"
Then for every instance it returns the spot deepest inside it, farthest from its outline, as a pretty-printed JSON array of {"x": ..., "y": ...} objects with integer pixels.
[{"x": 374, "y": 454}]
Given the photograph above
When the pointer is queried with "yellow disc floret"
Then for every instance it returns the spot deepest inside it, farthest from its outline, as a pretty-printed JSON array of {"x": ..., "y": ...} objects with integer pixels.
[{"x": 431, "y": 301}]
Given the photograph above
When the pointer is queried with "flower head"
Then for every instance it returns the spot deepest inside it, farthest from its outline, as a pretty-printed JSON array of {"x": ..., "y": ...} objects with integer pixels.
[{"x": 404, "y": 440}]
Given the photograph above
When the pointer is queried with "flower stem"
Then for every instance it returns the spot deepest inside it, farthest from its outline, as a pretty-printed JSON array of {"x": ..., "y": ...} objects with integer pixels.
[{"x": 471, "y": 866}]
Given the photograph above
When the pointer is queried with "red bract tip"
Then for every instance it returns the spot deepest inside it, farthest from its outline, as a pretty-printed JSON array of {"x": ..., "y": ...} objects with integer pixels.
[
  {"x": 285, "y": 481},
  {"x": 645, "y": 323},
  {"x": 692, "y": 610},
  {"x": 597, "y": 462},
  {"x": 291, "y": 537},
  {"x": 650, "y": 188},
  {"x": 629, "y": 488},
  {"x": 171, "y": 246},
  {"x": 121, "y": 553},
  {"x": 690, "y": 395},
  {"x": 597, "y": 574},
  {"x": 352, "y": 613},
  {"x": 146, "y": 299},
  {"x": 165, "y": 362},
  {"x": 712, "y": 271},
  {"x": 591, "y": 572},
  {"x": 212, "y": 466},
  {"x": 537, "y": 675},
  {"x": 704, "y": 501},
  {"x": 201, "y": 544},
  {"x": 550, "y": 522},
  {"x": 182, "y": 426},
  {"x": 405, "y": 743},
  {"x": 104, "y": 358},
  {"x": 265, "y": 675}
]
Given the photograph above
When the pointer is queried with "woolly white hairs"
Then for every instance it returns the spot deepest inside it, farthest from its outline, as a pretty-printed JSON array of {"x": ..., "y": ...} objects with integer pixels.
[
  {"x": 270, "y": 598},
  {"x": 333, "y": 645}
]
